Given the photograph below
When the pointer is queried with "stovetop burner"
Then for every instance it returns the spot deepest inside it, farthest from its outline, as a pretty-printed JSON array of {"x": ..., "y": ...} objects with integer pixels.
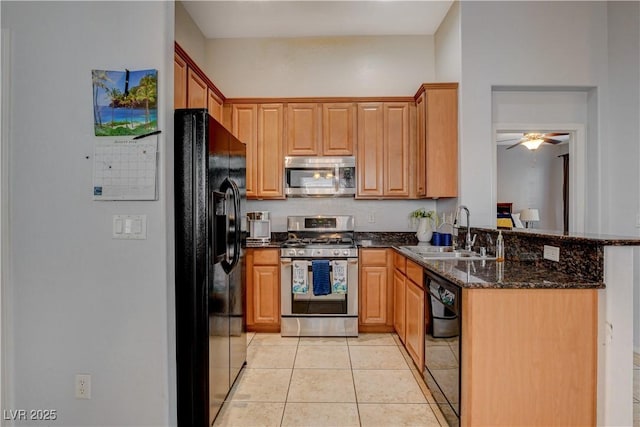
[
  {"x": 320, "y": 242},
  {"x": 320, "y": 236}
]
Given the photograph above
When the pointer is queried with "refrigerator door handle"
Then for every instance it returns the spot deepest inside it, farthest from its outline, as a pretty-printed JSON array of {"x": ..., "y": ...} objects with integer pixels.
[
  {"x": 236, "y": 224},
  {"x": 227, "y": 185},
  {"x": 228, "y": 261}
]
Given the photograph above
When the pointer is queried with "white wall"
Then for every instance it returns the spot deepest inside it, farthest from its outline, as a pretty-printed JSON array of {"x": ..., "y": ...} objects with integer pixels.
[
  {"x": 448, "y": 59},
  {"x": 188, "y": 34},
  {"x": 320, "y": 66},
  {"x": 567, "y": 47},
  {"x": 532, "y": 179},
  {"x": 621, "y": 182},
  {"x": 81, "y": 301}
]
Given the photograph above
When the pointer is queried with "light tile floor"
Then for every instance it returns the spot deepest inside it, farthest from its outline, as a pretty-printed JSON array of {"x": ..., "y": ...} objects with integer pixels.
[
  {"x": 636, "y": 390},
  {"x": 364, "y": 381}
]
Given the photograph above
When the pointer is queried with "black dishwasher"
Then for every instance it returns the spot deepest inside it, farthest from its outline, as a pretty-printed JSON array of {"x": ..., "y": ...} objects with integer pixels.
[{"x": 443, "y": 345}]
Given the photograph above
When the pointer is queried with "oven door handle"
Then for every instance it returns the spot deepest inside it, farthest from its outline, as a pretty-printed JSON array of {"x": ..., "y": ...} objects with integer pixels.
[{"x": 285, "y": 261}]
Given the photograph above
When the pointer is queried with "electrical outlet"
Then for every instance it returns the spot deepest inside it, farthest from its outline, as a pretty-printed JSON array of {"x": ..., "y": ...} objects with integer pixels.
[
  {"x": 552, "y": 253},
  {"x": 372, "y": 217},
  {"x": 83, "y": 386}
]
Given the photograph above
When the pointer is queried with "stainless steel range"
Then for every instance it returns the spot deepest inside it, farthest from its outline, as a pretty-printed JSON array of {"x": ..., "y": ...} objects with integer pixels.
[{"x": 319, "y": 277}]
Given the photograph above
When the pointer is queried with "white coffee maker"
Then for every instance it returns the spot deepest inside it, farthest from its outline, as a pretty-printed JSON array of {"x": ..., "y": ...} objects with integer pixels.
[{"x": 259, "y": 227}]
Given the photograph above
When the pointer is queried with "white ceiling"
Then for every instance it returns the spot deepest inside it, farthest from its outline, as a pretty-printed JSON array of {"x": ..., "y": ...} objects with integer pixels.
[{"x": 308, "y": 18}]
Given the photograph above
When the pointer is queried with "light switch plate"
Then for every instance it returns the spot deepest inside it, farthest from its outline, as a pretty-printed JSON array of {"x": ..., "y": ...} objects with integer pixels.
[
  {"x": 130, "y": 227},
  {"x": 552, "y": 253}
]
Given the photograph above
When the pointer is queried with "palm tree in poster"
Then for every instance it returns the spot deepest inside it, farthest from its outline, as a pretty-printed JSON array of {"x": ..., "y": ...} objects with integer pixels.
[
  {"x": 99, "y": 79},
  {"x": 116, "y": 96},
  {"x": 146, "y": 92}
]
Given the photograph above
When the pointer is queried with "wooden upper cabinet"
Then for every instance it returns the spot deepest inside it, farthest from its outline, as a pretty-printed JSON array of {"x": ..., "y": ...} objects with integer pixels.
[
  {"x": 439, "y": 117},
  {"x": 420, "y": 156},
  {"x": 370, "y": 149},
  {"x": 338, "y": 129},
  {"x": 244, "y": 126},
  {"x": 196, "y": 90},
  {"x": 270, "y": 160},
  {"x": 303, "y": 129},
  {"x": 214, "y": 105},
  {"x": 179, "y": 82},
  {"x": 396, "y": 149},
  {"x": 383, "y": 150}
]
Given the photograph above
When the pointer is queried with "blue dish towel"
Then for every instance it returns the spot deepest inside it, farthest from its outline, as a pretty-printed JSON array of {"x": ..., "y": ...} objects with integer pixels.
[{"x": 321, "y": 280}]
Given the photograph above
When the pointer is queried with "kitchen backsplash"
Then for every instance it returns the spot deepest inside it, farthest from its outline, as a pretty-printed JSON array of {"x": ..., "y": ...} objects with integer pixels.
[
  {"x": 387, "y": 215},
  {"x": 582, "y": 258}
]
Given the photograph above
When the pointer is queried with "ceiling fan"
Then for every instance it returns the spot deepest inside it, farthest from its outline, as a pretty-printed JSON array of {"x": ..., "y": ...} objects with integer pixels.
[{"x": 533, "y": 140}]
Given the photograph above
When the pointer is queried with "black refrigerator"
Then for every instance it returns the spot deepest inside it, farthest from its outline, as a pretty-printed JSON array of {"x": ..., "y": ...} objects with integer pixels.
[{"x": 210, "y": 193}]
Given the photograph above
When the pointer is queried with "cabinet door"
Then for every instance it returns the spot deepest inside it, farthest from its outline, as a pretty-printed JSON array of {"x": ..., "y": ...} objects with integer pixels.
[
  {"x": 244, "y": 125},
  {"x": 399, "y": 292},
  {"x": 270, "y": 159},
  {"x": 266, "y": 294},
  {"x": 396, "y": 149},
  {"x": 214, "y": 105},
  {"x": 373, "y": 296},
  {"x": 442, "y": 141},
  {"x": 414, "y": 323},
  {"x": 303, "y": 129},
  {"x": 338, "y": 129},
  {"x": 370, "y": 150},
  {"x": 196, "y": 90},
  {"x": 179, "y": 82},
  {"x": 420, "y": 157}
]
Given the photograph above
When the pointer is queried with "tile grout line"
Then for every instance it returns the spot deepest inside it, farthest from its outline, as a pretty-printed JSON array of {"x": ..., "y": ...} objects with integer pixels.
[
  {"x": 286, "y": 397},
  {"x": 355, "y": 393}
]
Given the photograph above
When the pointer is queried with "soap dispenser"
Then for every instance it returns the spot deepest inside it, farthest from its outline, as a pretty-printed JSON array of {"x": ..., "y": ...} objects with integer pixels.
[{"x": 499, "y": 247}]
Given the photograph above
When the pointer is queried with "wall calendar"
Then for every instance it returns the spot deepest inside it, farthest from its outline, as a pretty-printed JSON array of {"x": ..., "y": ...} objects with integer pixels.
[{"x": 125, "y": 170}]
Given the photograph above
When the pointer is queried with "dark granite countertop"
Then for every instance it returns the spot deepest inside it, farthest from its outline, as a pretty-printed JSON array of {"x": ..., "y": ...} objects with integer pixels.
[
  {"x": 490, "y": 274},
  {"x": 600, "y": 239}
]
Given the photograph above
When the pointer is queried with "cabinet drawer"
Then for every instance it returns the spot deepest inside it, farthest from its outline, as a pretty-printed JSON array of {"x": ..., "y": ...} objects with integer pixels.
[
  {"x": 414, "y": 273},
  {"x": 266, "y": 256},
  {"x": 399, "y": 262},
  {"x": 373, "y": 256}
]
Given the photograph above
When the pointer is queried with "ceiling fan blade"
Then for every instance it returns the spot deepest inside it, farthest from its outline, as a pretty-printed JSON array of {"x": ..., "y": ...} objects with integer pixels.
[
  {"x": 551, "y": 141},
  {"x": 514, "y": 145},
  {"x": 555, "y": 134},
  {"x": 507, "y": 140}
]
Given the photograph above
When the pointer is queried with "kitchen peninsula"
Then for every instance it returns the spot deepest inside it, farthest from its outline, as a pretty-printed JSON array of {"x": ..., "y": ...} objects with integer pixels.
[{"x": 538, "y": 334}]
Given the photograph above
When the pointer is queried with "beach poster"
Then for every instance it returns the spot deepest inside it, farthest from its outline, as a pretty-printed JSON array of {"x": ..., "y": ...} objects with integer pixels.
[{"x": 125, "y": 102}]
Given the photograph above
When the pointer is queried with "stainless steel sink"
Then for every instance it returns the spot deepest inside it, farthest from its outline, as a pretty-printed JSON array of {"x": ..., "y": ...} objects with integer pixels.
[{"x": 445, "y": 252}]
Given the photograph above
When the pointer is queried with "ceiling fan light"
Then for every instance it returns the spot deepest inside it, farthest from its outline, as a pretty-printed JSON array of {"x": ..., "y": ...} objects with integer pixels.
[{"x": 533, "y": 144}]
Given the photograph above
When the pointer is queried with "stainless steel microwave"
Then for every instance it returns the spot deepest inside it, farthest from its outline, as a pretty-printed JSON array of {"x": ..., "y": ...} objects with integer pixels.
[{"x": 319, "y": 176}]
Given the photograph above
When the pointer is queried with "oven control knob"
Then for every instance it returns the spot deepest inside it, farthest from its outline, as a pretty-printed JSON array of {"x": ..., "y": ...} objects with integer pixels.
[
  {"x": 345, "y": 252},
  {"x": 291, "y": 252},
  {"x": 301, "y": 252},
  {"x": 319, "y": 252},
  {"x": 336, "y": 252}
]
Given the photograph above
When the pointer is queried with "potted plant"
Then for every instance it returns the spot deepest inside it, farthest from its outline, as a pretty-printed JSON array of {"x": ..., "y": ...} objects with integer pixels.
[{"x": 426, "y": 221}]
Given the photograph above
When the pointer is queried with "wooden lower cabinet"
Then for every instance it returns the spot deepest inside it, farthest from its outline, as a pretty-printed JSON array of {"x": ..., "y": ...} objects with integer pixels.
[
  {"x": 399, "y": 295},
  {"x": 375, "y": 299},
  {"x": 414, "y": 323},
  {"x": 263, "y": 290},
  {"x": 529, "y": 357},
  {"x": 409, "y": 306}
]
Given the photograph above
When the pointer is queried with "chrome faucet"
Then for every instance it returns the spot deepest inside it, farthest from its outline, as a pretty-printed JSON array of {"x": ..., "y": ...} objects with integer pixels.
[{"x": 456, "y": 224}]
